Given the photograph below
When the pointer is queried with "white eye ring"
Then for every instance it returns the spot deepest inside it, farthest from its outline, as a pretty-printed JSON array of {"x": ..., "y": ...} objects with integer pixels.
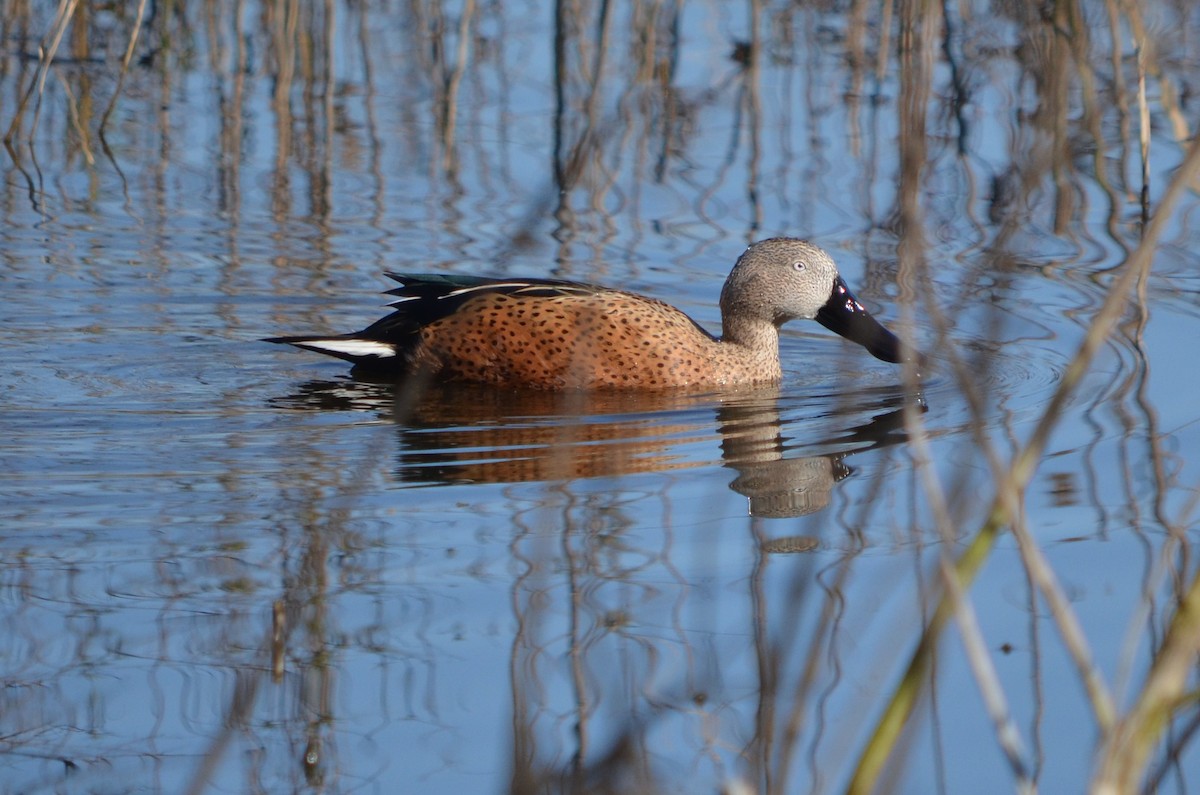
[{"x": 799, "y": 265}]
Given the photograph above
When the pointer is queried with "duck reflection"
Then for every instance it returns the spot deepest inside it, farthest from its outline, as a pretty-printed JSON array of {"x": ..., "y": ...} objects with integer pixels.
[{"x": 457, "y": 433}]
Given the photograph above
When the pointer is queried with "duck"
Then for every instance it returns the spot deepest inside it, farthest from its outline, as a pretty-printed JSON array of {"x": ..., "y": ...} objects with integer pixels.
[{"x": 558, "y": 335}]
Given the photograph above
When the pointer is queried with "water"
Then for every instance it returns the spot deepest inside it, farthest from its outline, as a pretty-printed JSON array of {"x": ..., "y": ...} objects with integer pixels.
[{"x": 228, "y": 566}]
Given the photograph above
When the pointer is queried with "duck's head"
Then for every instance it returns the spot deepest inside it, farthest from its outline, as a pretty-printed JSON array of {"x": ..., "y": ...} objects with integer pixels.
[{"x": 784, "y": 279}]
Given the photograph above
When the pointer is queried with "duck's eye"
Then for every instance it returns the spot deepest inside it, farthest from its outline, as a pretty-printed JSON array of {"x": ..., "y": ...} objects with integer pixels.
[{"x": 799, "y": 265}]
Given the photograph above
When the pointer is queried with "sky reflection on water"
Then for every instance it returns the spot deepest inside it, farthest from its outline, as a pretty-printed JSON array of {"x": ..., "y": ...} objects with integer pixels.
[{"x": 228, "y": 566}]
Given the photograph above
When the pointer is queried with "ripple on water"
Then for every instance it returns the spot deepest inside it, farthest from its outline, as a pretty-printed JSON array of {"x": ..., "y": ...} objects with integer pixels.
[{"x": 1009, "y": 388}]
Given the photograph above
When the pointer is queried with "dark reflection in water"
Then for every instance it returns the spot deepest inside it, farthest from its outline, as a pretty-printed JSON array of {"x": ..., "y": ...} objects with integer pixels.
[{"x": 464, "y": 433}]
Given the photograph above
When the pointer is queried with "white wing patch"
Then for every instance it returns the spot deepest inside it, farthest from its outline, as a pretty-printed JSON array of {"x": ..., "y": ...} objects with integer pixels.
[
  {"x": 382, "y": 350},
  {"x": 483, "y": 287}
]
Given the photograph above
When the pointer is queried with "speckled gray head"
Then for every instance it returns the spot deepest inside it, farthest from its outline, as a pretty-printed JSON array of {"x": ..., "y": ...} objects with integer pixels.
[{"x": 782, "y": 279}]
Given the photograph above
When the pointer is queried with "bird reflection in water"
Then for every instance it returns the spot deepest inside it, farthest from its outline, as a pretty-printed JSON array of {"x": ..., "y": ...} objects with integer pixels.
[{"x": 461, "y": 433}]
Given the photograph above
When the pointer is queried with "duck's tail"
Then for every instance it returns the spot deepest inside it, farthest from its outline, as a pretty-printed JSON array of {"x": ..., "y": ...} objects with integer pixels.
[{"x": 351, "y": 347}]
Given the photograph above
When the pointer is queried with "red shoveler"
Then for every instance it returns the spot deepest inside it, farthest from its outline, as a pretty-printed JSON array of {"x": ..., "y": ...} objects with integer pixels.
[{"x": 549, "y": 334}]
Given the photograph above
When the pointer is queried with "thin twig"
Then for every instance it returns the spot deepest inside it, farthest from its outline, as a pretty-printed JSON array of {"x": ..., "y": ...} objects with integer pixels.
[
  {"x": 1143, "y": 129},
  {"x": 73, "y": 110},
  {"x": 133, "y": 37},
  {"x": 982, "y": 666},
  {"x": 1126, "y": 750},
  {"x": 46, "y": 52}
]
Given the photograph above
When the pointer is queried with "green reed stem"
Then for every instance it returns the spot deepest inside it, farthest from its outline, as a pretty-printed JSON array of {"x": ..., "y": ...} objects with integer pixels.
[{"x": 1145, "y": 722}]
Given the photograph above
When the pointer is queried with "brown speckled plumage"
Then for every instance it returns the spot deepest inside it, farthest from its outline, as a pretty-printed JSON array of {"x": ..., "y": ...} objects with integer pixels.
[
  {"x": 562, "y": 335},
  {"x": 605, "y": 339}
]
